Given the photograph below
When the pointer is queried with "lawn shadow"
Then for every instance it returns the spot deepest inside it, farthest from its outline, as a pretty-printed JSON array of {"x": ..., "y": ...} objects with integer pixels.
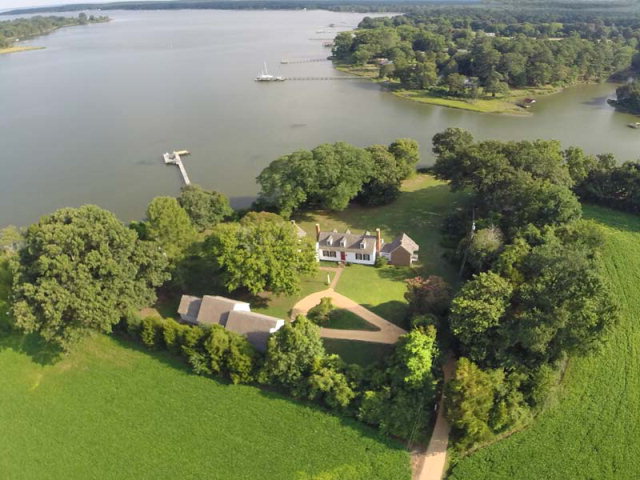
[
  {"x": 32, "y": 345},
  {"x": 393, "y": 311}
]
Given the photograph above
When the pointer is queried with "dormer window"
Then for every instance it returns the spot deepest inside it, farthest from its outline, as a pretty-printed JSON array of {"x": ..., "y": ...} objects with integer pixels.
[
  {"x": 343, "y": 242},
  {"x": 330, "y": 241},
  {"x": 363, "y": 244}
]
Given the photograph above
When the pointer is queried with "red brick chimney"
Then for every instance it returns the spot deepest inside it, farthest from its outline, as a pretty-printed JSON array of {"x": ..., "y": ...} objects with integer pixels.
[
  {"x": 378, "y": 240},
  {"x": 317, "y": 231}
]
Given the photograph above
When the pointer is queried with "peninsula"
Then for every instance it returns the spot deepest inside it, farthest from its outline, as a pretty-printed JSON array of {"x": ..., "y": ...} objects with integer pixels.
[{"x": 14, "y": 31}]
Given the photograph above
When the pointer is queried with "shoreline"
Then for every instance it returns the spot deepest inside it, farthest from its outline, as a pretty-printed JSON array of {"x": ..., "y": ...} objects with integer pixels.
[
  {"x": 507, "y": 105},
  {"x": 5, "y": 51}
]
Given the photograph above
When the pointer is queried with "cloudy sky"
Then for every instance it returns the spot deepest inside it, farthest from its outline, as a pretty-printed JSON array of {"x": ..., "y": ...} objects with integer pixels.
[{"x": 8, "y": 4}]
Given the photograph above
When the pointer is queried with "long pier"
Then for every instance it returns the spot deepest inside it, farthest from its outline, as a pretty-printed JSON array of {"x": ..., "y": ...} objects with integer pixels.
[
  {"x": 327, "y": 78},
  {"x": 286, "y": 61},
  {"x": 175, "y": 159}
]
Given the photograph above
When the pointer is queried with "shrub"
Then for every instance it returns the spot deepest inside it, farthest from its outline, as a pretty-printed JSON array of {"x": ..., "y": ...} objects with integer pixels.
[
  {"x": 381, "y": 261},
  {"x": 428, "y": 295},
  {"x": 151, "y": 331},
  {"x": 241, "y": 359},
  {"x": 216, "y": 345},
  {"x": 320, "y": 313}
]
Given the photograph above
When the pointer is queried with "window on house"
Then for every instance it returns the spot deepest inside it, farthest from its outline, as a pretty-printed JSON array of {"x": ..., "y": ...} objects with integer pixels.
[
  {"x": 328, "y": 253},
  {"x": 363, "y": 256}
]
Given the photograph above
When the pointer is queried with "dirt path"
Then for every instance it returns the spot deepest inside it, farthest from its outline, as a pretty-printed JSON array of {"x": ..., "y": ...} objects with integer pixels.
[
  {"x": 431, "y": 464},
  {"x": 388, "y": 333},
  {"x": 337, "y": 271}
]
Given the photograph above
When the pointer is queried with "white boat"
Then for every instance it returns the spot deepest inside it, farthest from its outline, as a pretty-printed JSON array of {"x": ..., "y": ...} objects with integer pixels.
[{"x": 264, "y": 76}]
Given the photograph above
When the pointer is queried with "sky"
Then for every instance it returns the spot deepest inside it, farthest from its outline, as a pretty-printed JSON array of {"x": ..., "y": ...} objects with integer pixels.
[{"x": 9, "y": 4}]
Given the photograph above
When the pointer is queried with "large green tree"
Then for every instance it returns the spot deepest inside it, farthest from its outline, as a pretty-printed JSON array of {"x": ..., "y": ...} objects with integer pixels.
[
  {"x": 263, "y": 252},
  {"x": 293, "y": 353},
  {"x": 205, "y": 208},
  {"x": 81, "y": 270},
  {"x": 170, "y": 226}
]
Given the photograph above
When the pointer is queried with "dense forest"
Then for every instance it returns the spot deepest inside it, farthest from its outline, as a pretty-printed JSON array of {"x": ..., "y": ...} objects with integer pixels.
[
  {"x": 21, "y": 28},
  {"x": 463, "y": 51}
]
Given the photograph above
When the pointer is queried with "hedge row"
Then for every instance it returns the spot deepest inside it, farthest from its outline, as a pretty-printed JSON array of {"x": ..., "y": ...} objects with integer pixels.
[{"x": 208, "y": 350}]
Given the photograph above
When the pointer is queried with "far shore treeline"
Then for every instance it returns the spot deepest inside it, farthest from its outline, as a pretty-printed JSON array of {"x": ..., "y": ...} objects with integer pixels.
[
  {"x": 474, "y": 53},
  {"x": 532, "y": 294},
  {"x": 23, "y": 28}
]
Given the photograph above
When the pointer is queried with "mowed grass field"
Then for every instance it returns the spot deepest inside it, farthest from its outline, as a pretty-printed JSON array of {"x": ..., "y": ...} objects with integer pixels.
[
  {"x": 592, "y": 431},
  {"x": 112, "y": 411}
]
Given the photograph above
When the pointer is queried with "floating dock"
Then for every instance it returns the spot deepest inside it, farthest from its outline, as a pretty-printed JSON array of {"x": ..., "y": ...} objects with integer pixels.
[{"x": 175, "y": 159}]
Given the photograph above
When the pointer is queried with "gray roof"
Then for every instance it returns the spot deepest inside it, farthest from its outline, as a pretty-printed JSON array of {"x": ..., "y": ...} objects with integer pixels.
[
  {"x": 401, "y": 241},
  {"x": 189, "y": 308},
  {"x": 255, "y": 326},
  {"x": 347, "y": 242},
  {"x": 216, "y": 309}
]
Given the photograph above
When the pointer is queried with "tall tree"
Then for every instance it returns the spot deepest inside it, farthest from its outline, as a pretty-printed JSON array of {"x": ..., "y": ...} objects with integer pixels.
[
  {"x": 292, "y": 353},
  {"x": 205, "y": 208},
  {"x": 170, "y": 226},
  {"x": 260, "y": 253},
  {"x": 81, "y": 270}
]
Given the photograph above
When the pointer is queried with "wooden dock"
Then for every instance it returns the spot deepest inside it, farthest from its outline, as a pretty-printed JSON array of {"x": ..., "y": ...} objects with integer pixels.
[
  {"x": 286, "y": 61},
  {"x": 328, "y": 78},
  {"x": 175, "y": 159}
]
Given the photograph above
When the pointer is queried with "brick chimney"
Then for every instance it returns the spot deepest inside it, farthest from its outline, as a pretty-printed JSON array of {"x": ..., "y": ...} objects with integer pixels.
[
  {"x": 317, "y": 231},
  {"x": 378, "y": 240}
]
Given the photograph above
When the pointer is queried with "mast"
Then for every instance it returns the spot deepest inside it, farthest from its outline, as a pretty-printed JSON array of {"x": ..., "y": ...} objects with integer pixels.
[{"x": 266, "y": 72}]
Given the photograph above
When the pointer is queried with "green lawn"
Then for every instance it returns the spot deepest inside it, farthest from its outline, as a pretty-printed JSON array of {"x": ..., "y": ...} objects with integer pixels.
[
  {"x": 280, "y": 306},
  {"x": 346, "y": 320},
  {"x": 381, "y": 290},
  {"x": 593, "y": 430},
  {"x": 418, "y": 212},
  {"x": 111, "y": 411},
  {"x": 361, "y": 353}
]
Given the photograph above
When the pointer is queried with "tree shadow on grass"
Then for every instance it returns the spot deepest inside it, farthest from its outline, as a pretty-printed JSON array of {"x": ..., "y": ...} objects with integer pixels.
[
  {"x": 393, "y": 311},
  {"x": 32, "y": 345}
]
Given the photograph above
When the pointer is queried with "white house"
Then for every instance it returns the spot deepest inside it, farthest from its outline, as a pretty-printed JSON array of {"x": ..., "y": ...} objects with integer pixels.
[{"x": 348, "y": 247}]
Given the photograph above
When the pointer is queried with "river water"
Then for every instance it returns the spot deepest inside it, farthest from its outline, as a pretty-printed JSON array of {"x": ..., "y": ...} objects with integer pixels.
[{"x": 87, "y": 119}]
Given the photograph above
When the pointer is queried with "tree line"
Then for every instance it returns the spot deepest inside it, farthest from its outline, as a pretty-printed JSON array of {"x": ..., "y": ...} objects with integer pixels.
[
  {"x": 536, "y": 291},
  {"x": 465, "y": 55},
  {"x": 21, "y": 28},
  {"x": 332, "y": 175}
]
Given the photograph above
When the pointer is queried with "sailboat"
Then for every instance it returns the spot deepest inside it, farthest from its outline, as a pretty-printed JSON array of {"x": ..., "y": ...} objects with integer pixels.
[{"x": 264, "y": 76}]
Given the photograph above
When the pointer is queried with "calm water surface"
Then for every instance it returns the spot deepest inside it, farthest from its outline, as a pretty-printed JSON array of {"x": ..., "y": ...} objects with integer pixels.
[{"x": 86, "y": 119}]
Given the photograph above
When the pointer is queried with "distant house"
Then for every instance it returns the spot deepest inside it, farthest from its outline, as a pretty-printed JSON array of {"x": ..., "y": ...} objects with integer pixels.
[
  {"x": 363, "y": 248},
  {"x": 255, "y": 326},
  {"x": 402, "y": 251},
  {"x": 209, "y": 310},
  {"x": 233, "y": 315}
]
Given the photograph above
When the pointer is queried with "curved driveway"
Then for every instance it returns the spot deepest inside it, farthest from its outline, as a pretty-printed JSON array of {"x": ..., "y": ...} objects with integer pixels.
[{"x": 388, "y": 333}]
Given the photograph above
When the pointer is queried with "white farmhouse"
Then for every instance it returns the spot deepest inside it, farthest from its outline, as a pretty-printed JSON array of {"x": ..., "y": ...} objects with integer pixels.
[
  {"x": 364, "y": 248},
  {"x": 348, "y": 247}
]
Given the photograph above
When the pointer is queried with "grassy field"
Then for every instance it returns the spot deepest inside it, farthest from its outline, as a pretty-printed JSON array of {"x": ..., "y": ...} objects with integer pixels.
[
  {"x": 110, "y": 411},
  {"x": 346, "y": 320},
  {"x": 18, "y": 49},
  {"x": 280, "y": 306},
  {"x": 592, "y": 431},
  {"x": 381, "y": 290},
  {"x": 360, "y": 353},
  {"x": 418, "y": 212}
]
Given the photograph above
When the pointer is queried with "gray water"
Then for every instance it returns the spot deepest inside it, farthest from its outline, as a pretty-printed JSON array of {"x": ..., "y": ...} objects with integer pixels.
[{"x": 87, "y": 119}]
